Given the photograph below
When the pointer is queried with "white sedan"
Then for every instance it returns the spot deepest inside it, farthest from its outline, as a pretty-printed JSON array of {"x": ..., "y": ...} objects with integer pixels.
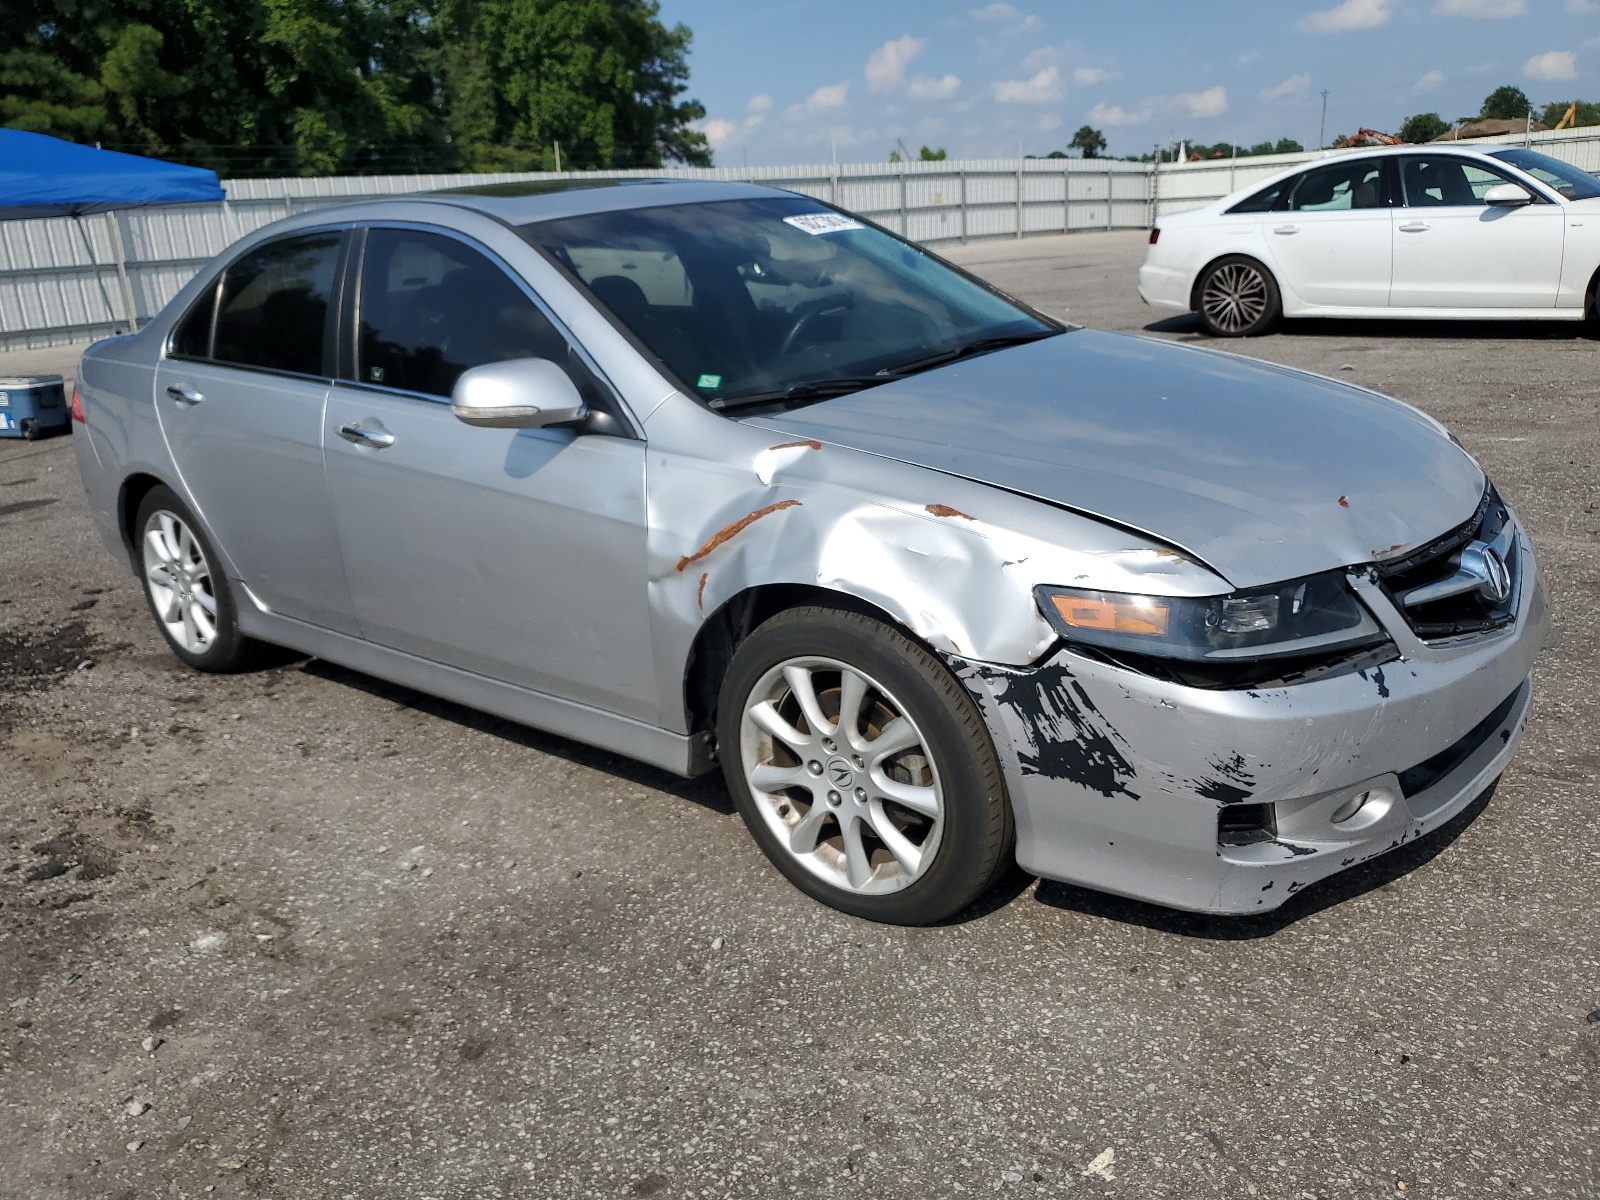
[{"x": 1435, "y": 231}]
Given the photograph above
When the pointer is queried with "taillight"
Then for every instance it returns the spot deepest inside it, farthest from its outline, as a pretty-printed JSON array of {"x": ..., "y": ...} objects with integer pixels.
[
  {"x": 1155, "y": 236},
  {"x": 77, "y": 405}
]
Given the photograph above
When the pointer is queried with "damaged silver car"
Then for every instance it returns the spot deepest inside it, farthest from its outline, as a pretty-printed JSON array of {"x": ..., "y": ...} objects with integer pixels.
[{"x": 711, "y": 473}]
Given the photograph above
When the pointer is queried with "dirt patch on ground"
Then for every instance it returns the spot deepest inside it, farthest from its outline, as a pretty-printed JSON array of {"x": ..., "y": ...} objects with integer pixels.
[{"x": 34, "y": 659}]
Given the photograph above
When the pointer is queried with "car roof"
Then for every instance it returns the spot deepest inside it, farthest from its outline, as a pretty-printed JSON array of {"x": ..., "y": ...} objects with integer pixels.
[
  {"x": 538, "y": 200},
  {"x": 1466, "y": 149}
]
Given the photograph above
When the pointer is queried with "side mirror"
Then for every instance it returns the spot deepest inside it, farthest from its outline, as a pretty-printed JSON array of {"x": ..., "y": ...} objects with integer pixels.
[
  {"x": 524, "y": 393},
  {"x": 1507, "y": 195}
]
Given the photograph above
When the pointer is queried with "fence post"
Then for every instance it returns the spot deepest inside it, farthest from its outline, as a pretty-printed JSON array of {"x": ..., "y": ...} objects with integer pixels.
[
  {"x": 1020, "y": 162},
  {"x": 1110, "y": 183},
  {"x": 120, "y": 254},
  {"x": 905, "y": 220},
  {"x": 961, "y": 178}
]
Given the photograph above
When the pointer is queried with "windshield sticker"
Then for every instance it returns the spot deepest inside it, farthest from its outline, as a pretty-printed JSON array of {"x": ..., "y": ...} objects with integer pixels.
[
  {"x": 822, "y": 222},
  {"x": 709, "y": 382}
]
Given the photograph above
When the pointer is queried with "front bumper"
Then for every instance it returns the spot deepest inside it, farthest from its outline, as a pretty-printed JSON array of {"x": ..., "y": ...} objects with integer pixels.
[{"x": 1117, "y": 778}]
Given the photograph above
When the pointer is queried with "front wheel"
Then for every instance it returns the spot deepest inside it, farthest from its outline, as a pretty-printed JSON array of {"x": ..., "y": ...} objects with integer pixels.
[
  {"x": 1238, "y": 297},
  {"x": 862, "y": 767},
  {"x": 184, "y": 583}
]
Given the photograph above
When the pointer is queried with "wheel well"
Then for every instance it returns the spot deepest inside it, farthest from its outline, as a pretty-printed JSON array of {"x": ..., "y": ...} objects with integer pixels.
[
  {"x": 1591, "y": 298},
  {"x": 1200, "y": 276},
  {"x": 134, "y": 489},
  {"x": 720, "y": 635}
]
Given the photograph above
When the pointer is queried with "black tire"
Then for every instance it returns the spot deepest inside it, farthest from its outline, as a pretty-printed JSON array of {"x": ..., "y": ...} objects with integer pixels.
[
  {"x": 975, "y": 843},
  {"x": 228, "y": 650},
  {"x": 1237, "y": 297}
]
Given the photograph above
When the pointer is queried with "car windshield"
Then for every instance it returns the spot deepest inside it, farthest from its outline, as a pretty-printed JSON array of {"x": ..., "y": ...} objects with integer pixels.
[
  {"x": 1562, "y": 177},
  {"x": 780, "y": 299}
]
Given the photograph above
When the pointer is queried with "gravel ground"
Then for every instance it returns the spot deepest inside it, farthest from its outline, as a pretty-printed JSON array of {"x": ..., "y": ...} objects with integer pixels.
[{"x": 300, "y": 933}]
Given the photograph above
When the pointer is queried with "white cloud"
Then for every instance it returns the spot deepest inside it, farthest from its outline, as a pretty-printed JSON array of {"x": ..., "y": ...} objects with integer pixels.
[
  {"x": 1048, "y": 121},
  {"x": 1038, "y": 60},
  {"x": 1430, "y": 82},
  {"x": 1480, "y": 9},
  {"x": 759, "y": 105},
  {"x": 718, "y": 131},
  {"x": 1005, "y": 16},
  {"x": 1558, "y": 64},
  {"x": 886, "y": 66},
  {"x": 1115, "y": 114},
  {"x": 1089, "y": 76},
  {"x": 925, "y": 88},
  {"x": 1212, "y": 102},
  {"x": 1043, "y": 88},
  {"x": 1292, "y": 86},
  {"x": 829, "y": 96},
  {"x": 1352, "y": 14}
]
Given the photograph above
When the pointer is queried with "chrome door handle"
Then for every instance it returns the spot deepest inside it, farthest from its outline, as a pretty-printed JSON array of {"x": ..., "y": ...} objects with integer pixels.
[
  {"x": 1287, "y": 229},
  {"x": 1415, "y": 227},
  {"x": 377, "y": 438},
  {"x": 183, "y": 394}
]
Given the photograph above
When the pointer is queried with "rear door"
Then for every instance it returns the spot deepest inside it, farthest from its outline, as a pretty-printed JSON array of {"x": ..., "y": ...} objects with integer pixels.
[
  {"x": 515, "y": 554},
  {"x": 240, "y": 396},
  {"x": 1453, "y": 251},
  {"x": 1331, "y": 241}
]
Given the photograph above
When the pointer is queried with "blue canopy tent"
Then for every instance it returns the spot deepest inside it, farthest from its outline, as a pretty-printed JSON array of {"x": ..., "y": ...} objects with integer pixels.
[{"x": 46, "y": 177}]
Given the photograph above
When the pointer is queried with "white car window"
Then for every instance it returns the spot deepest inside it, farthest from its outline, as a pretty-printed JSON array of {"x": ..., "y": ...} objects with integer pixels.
[
  {"x": 1342, "y": 185},
  {"x": 1432, "y": 181}
]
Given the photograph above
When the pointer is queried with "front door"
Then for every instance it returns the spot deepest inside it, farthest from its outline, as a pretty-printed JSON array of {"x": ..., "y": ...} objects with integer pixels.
[
  {"x": 1331, "y": 242},
  {"x": 240, "y": 399},
  {"x": 514, "y": 554},
  {"x": 1451, "y": 250}
]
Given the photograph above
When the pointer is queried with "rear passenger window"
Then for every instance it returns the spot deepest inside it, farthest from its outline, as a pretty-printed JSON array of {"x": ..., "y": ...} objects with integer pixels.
[
  {"x": 274, "y": 308},
  {"x": 192, "y": 337},
  {"x": 1343, "y": 185},
  {"x": 430, "y": 308},
  {"x": 1267, "y": 198}
]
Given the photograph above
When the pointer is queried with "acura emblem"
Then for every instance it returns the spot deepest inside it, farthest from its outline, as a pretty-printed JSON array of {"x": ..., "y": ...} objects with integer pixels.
[{"x": 1484, "y": 563}]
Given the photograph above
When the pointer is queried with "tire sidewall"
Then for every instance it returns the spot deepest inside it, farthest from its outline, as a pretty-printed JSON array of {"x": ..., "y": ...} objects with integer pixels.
[
  {"x": 229, "y": 648},
  {"x": 1269, "y": 318},
  {"x": 968, "y": 858}
]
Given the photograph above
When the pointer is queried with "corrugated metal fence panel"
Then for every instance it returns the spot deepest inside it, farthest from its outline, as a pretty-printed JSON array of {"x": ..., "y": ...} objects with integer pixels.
[{"x": 60, "y": 281}]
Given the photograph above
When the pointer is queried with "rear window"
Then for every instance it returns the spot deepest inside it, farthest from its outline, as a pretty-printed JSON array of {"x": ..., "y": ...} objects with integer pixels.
[
  {"x": 1267, "y": 198},
  {"x": 274, "y": 307}
]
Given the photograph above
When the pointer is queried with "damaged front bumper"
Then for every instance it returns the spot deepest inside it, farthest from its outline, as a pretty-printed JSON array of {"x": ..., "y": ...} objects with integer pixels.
[{"x": 1229, "y": 801}]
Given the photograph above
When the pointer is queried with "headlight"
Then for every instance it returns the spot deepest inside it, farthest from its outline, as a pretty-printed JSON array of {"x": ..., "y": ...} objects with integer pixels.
[{"x": 1316, "y": 615}]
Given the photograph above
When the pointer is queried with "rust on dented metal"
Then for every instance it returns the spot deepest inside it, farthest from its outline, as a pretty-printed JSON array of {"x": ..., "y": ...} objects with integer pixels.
[
  {"x": 1389, "y": 551},
  {"x": 732, "y": 531},
  {"x": 1343, "y": 503},
  {"x": 700, "y": 595},
  {"x": 809, "y": 443},
  {"x": 944, "y": 510}
]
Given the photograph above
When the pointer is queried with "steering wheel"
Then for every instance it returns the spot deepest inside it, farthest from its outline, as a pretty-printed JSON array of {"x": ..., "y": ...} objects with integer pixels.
[{"x": 810, "y": 311}]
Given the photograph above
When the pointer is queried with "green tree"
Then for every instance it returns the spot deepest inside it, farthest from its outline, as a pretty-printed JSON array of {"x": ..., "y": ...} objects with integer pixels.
[
  {"x": 1088, "y": 141},
  {"x": 1505, "y": 103},
  {"x": 600, "y": 77},
  {"x": 1587, "y": 114},
  {"x": 1422, "y": 127},
  {"x": 1288, "y": 146},
  {"x": 927, "y": 155}
]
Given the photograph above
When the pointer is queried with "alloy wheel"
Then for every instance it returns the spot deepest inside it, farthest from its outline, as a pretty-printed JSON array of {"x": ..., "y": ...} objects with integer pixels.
[
  {"x": 1235, "y": 297},
  {"x": 842, "y": 775},
  {"x": 179, "y": 579}
]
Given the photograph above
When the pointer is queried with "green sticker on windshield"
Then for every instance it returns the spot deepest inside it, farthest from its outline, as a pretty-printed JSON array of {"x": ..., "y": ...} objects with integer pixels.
[{"x": 709, "y": 381}]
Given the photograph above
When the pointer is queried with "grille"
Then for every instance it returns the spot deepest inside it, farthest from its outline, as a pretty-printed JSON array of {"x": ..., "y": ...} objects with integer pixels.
[{"x": 1464, "y": 582}]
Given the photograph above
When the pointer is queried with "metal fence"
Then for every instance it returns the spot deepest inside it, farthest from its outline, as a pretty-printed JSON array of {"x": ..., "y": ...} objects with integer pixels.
[{"x": 67, "y": 280}]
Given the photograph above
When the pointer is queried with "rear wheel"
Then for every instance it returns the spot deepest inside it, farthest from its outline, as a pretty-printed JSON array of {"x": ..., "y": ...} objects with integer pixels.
[
  {"x": 1238, "y": 297},
  {"x": 862, "y": 767},
  {"x": 188, "y": 593}
]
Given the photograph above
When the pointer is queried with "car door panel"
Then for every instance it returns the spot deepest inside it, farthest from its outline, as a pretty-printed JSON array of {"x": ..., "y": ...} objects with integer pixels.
[
  {"x": 1452, "y": 251},
  {"x": 514, "y": 554},
  {"x": 246, "y": 438},
  {"x": 1331, "y": 243}
]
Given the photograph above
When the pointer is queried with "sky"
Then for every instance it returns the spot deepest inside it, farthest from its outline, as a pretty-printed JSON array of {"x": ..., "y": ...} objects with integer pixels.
[{"x": 787, "y": 81}]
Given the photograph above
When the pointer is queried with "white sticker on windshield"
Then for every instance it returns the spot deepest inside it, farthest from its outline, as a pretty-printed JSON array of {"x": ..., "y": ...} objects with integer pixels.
[{"x": 822, "y": 222}]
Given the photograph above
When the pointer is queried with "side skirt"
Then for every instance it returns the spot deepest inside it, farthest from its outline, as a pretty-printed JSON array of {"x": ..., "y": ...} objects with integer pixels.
[{"x": 686, "y": 755}]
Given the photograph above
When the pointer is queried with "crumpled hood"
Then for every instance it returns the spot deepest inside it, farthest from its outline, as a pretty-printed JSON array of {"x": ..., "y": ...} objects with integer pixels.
[{"x": 1262, "y": 472}]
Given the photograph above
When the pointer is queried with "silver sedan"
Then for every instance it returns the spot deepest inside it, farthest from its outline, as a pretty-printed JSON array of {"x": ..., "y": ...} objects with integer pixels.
[{"x": 709, "y": 473}]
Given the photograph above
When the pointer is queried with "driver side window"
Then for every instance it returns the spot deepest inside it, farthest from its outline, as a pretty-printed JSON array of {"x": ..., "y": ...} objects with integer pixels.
[
  {"x": 431, "y": 307},
  {"x": 1434, "y": 181}
]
